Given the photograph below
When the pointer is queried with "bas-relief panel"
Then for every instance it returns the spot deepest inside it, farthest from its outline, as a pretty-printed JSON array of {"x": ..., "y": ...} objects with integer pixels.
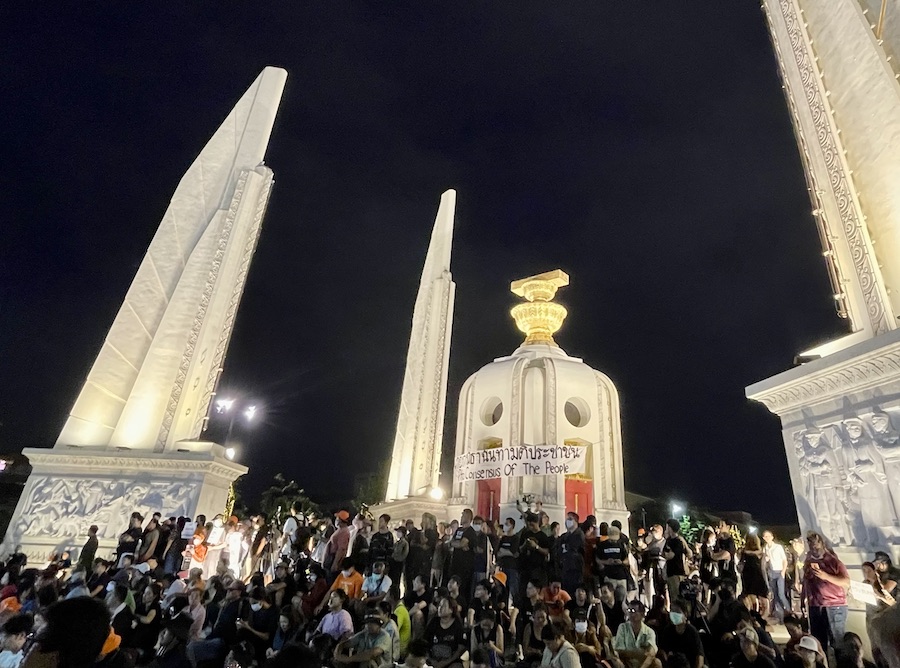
[
  {"x": 58, "y": 507},
  {"x": 849, "y": 485}
]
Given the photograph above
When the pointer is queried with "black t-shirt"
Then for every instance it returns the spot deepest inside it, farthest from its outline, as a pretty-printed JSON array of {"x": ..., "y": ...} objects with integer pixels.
[
  {"x": 687, "y": 643},
  {"x": 381, "y": 547},
  {"x": 479, "y": 606},
  {"x": 444, "y": 642},
  {"x": 675, "y": 565},
  {"x": 615, "y": 616},
  {"x": 608, "y": 549},
  {"x": 589, "y": 610},
  {"x": 412, "y": 598},
  {"x": 511, "y": 543},
  {"x": 530, "y": 559},
  {"x": 727, "y": 568},
  {"x": 571, "y": 551},
  {"x": 264, "y": 620},
  {"x": 462, "y": 561},
  {"x": 99, "y": 581}
]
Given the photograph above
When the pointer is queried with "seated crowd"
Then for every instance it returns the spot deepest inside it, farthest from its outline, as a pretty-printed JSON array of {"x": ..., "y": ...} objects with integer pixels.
[{"x": 469, "y": 593}]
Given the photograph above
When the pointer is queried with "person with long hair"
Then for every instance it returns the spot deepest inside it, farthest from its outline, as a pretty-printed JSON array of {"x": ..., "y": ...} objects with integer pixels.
[
  {"x": 148, "y": 615},
  {"x": 753, "y": 577},
  {"x": 533, "y": 644}
]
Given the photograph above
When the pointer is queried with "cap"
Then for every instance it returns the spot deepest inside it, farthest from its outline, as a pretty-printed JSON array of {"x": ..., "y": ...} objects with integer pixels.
[
  {"x": 579, "y": 615},
  {"x": 811, "y": 643},
  {"x": 500, "y": 577},
  {"x": 142, "y": 568},
  {"x": 342, "y": 515},
  {"x": 373, "y": 619},
  {"x": 637, "y": 604},
  {"x": 883, "y": 557}
]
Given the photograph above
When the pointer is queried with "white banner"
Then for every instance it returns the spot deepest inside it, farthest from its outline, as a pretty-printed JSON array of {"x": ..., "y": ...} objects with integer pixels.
[
  {"x": 519, "y": 461},
  {"x": 863, "y": 592}
]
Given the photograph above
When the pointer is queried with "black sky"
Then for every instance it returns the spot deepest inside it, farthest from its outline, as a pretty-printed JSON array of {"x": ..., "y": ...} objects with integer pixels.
[{"x": 645, "y": 148}]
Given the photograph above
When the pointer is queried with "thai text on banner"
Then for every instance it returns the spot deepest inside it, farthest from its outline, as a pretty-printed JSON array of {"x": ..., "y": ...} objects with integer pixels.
[{"x": 519, "y": 461}]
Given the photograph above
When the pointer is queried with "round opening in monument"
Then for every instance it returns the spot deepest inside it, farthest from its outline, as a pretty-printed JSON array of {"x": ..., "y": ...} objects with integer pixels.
[
  {"x": 491, "y": 411},
  {"x": 577, "y": 412}
]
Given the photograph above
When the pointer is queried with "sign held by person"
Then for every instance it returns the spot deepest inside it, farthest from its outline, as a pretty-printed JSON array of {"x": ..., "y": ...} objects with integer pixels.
[{"x": 520, "y": 461}]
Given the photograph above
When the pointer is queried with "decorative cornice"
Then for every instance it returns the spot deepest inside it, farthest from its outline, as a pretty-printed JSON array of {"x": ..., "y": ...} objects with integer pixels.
[
  {"x": 97, "y": 463},
  {"x": 837, "y": 183},
  {"x": 850, "y": 376}
]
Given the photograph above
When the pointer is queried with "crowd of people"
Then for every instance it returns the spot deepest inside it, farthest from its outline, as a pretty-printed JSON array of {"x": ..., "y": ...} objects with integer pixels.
[{"x": 375, "y": 592}]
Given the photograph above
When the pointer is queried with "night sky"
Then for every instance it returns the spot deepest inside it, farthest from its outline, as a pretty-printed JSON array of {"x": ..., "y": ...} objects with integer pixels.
[{"x": 645, "y": 149}]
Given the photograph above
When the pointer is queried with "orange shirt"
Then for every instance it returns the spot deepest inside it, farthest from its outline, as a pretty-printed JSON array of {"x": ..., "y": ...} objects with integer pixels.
[
  {"x": 352, "y": 585},
  {"x": 556, "y": 605}
]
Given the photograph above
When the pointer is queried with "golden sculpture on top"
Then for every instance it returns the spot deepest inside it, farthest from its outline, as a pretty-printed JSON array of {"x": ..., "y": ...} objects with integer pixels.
[{"x": 539, "y": 318}]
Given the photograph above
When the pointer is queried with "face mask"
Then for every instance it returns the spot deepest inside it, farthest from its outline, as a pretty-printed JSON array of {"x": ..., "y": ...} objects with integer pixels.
[
  {"x": 346, "y": 574},
  {"x": 676, "y": 618},
  {"x": 110, "y": 586},
  {"x": 217, "y": 523},
  {"x": 477, "y": 527},
  {"x": 256, "y": 607},
  {"x": 570, "y": 524},
  {"x": 580, "y": 627}
]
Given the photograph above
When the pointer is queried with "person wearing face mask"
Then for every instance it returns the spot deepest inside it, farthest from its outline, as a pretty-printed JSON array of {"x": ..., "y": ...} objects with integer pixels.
[
  {"x": 316, "y": 591},
  {"x": 679, "y": 637},
  {"x": 585, "y": 641},
  {"x": 349, "y": 580},
  {"x": 507, "y": 557},
  {"x": 479, "y": 550},
  {"x": 259, "y": 629},
  {"x": 570, "y": 554}
]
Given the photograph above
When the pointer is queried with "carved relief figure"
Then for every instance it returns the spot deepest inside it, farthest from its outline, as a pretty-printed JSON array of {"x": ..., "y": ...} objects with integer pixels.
[
  {"x": 821, "y": 472},
  {"x": 887, "y": 445},
  {"x": 867, "y": 481},
  {"x": 61, "y": 508}
]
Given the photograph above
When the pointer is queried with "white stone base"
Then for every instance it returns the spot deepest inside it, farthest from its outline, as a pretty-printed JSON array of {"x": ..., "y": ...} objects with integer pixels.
[
  {"x": 411, "y": 508},
  {"x": 71, "y": 489}
]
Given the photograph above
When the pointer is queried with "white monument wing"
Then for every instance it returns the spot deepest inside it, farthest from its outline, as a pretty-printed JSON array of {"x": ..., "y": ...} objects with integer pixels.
[{"x": 152, "y": 380}]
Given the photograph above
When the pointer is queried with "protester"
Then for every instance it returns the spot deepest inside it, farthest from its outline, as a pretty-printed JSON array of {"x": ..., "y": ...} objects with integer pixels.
[{"x": 825, "y": 582}]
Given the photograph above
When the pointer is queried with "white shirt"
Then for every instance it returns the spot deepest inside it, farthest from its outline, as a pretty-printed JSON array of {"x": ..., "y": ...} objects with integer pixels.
[
  {"x": 776, "y": 557},
  {"x": 291, "y": 526},
  {"x": 10, "y": 659}
]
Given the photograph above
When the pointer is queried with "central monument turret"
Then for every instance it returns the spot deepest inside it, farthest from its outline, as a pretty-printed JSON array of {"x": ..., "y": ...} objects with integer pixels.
[{"x": 539, "y": 396}]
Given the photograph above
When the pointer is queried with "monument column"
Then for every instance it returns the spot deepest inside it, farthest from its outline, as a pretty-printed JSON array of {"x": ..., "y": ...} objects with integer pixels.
[
  {"x": 133, "y": 440},
  {"x": 413, "y": 481}
]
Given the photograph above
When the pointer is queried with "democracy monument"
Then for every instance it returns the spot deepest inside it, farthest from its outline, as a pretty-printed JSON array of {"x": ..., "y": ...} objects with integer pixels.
[{"x": 538, "y": 424}]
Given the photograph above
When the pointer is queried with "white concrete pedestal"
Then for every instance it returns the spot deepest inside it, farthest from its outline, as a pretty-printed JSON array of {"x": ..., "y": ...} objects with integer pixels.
[
  {"x": 71, "y": 489},
  {"x": 411, "y": 508},
  {"x": 840, "y": 418}
]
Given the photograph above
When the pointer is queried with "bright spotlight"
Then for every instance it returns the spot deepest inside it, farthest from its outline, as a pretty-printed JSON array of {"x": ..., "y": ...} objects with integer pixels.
[
  {"x": 229, "y": 453},
  {"x": 250, "y": 413},
  {"x": 224, "y": 405},
  {"x": 752, "y": 529},
  {"x": 676, "y": 509},
  {"x": 436, "y": 493}
]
